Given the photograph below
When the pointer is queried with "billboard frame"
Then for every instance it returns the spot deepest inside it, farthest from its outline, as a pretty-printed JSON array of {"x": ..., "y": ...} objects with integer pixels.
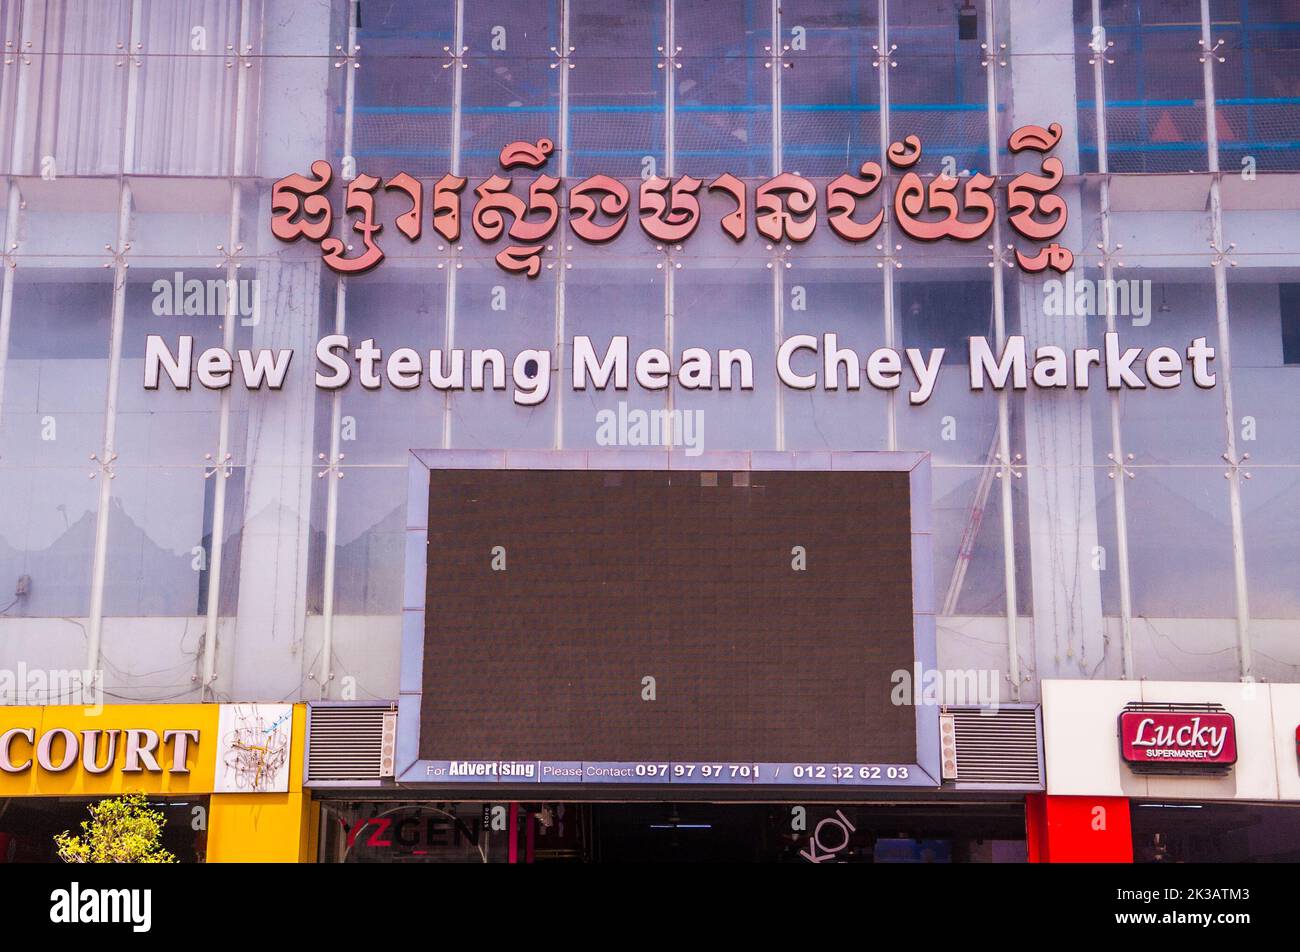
[{"x": 411, "y": 769}]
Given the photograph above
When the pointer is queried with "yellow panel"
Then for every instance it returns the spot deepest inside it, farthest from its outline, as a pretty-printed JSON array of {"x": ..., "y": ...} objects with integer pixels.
[
  {"x": 75, "y": 781},
  {"x": 266, "y": 827},
  {"x": 36, "y": 781},
  {"x": 259, "y": 827}
]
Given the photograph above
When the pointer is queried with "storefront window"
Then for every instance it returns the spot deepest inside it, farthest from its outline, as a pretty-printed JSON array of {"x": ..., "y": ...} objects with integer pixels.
[
  {"x": 388, "y": 831},
  {"x": 29, "y": 825}
]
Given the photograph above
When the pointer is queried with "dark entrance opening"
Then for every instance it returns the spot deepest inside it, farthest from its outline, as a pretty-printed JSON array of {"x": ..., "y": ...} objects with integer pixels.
[{"x": 656, "y": 831}]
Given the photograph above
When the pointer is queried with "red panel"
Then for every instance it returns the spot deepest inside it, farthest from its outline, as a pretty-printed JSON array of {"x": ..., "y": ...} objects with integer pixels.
[
  {"x": 1177, "y": 738},
  {"x": 1078, "y": 829}
]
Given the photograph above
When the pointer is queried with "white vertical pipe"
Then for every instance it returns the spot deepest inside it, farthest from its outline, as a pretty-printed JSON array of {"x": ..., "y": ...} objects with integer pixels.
[
  {"x": 562, "y": 145},
  {"x": 7, "y": 283},
  {"x": 1128, "y": 669},
  {"x": 670, "y": 169},
  {"x": 12, "y": 209},
  {"x": 325, "y": 673},
  {"x": 132, "y": 89},
  {"x": 887, "y": 226},
  {"x": 1246, "y": 658},
  {"x": 1000, "y": 333},
  {"x": 99, "y": 561},
  {"x": 778, "y": 278},
  {"x": 228, "y": 342},
  {"x": 18, "y": 146},
  {"x": 670, "y": 89},
  {"x": 457, "y": 98}
]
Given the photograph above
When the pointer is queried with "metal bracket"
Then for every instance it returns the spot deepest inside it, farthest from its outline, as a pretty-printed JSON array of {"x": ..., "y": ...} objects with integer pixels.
[
  {"x": 988, "y": 57},
  {"x": 328, "y": 466},
  {"x": 1211, "y": 53},
  {"x": 1118, "y": 468},
  {"x": 346, "y": 58},
  {"x": 785, "y": 64},
  {"x": 224, "y": 467},
  {"x": 245, "y": 57},
  {"x": 562, "y": 57},
  {"x": 1235, "y": 466}
]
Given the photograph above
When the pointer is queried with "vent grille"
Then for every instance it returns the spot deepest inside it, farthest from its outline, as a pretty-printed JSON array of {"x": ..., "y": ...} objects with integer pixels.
[
  {"x": 346, "y": 742},
  {"x": 1001, "y": 748}
]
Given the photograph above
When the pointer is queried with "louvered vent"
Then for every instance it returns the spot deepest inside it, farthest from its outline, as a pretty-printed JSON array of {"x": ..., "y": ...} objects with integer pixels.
[
  {"x": 346, "y": 742},
  {"x": 999, "y": 748}
]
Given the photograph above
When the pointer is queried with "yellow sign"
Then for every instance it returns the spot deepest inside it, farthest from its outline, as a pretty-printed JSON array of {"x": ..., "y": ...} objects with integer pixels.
[{"x": 118, "y": 748}]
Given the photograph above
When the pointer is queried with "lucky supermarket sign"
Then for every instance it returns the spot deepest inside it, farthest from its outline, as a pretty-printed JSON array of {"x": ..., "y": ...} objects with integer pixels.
[{"x": 1187, "y": 739}]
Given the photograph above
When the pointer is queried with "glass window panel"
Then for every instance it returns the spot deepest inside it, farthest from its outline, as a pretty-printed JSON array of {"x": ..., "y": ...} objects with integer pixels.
[
  {"x": 72, "y": 114},
  {"x": 169, "y": 426},
  {"x": 402, "y": 307},
  {"x": 68, "y": 218},
  {"x": 159, "y": 533},
  {"x": 508, "y": 99},
  {"x": 1183, "y": 425},
  {"x": 848, "y": 302},
  {"x": 938, "y": 90},
  {"x": 511, "y": 88},
  {"x": 723, "y": 88},
  {"x": 268, "y": 647},
  {"x": 402, "y": 117},
  {"x": 717, "y": 305},
  {"x": 601, "y": 302},
  {"x": 1257, "y": 87},
  {"x": 942, "y": 308},
  {"x": 402, "y": 120},
  {"x": 404, "y": 28},
  {"x": 370, "y": 546},
  {"x": 508, "y": 313},
  {"x": 55, "y": 391},
  {"x": 616, "y": 88},
  {"x": 1180, "y": 544},
  {"x": 830, "y": 95},
  {"x": 723, "y": 117},
  {"x": 382, "y": 426},
  {"x": 302, "y": 120},
  {"x": 1155, "y": 90},
  {"x": 182, "y": 218},
  {"x": 606, "y": 28},
  {"x": 57, "y": 366},
  {"x": 507, "y": 30},
  {"x": 187, "y": 78},
  {"x": 1264, "y": 317},
  {"x": 616, "y": 116}
]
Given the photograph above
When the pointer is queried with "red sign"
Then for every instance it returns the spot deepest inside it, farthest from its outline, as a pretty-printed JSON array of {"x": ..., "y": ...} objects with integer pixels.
[
  {"x": 1178, "y": 738},
  {"x": 600, "y": 206}
]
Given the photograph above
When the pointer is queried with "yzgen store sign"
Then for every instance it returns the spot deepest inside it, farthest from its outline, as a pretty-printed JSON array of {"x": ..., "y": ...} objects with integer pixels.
[{"x": 1176, "y": 741}]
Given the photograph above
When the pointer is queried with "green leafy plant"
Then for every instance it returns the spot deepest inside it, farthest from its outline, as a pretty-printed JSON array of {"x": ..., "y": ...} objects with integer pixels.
[{"x": 121, "y": 829}]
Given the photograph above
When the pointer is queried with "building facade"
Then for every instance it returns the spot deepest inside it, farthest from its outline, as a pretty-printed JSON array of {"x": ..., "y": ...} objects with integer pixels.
[{"x": 211, "y": 546}]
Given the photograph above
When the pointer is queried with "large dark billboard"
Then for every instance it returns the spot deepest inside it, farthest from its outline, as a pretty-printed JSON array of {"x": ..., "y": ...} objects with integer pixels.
[{"x": 730, "y": 625}]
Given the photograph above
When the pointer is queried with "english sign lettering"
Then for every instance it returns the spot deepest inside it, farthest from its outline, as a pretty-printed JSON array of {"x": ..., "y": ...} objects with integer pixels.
[{"x": 1178, "y": 739}]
